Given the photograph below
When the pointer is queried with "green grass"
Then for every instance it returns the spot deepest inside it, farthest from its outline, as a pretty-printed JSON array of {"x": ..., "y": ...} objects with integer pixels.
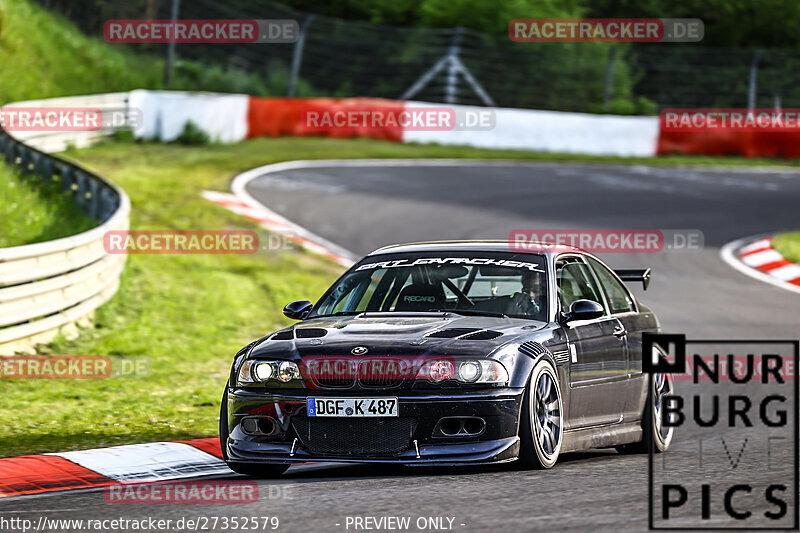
[
  {"x": 788, "y": 244},
  {"x": 188, "y": 313},
  {"x": 32, "y": 212},
  {"x": 42, "y": 55}
]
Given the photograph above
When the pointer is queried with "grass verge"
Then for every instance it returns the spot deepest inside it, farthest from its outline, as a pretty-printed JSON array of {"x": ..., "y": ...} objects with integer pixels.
[
  {"x": 32, "y": 211},
  {"x": 788, "y": 244},
  {"x": 188, "y": 313}
]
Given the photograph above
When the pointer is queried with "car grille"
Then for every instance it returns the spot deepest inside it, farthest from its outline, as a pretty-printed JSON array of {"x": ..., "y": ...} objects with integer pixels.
[
  {"x": 335, "y": 383},
  {"x": 354, "y": 436},
  {"x": 380, "y": 382},
  {"x": 368, "y": 377},
  {"x": 333, "y": 373}
]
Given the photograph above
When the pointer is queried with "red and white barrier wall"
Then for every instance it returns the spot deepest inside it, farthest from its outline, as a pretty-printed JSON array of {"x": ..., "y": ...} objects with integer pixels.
[
  {"x": 164, "y": 114},
  {"x": 767, "y": 143},
  {"x": 233, "y": 117}
]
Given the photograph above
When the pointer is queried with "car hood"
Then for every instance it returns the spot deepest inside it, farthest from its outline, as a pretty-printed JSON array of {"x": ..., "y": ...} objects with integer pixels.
[{"x": 395, "y": 334}]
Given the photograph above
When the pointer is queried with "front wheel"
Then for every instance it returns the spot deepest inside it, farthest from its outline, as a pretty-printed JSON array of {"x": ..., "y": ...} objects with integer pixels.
[{"x": 541, "y": 422}]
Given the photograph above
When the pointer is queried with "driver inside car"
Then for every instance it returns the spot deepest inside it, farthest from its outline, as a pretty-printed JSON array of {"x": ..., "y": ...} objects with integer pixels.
[{"x": 527, "y": 301}]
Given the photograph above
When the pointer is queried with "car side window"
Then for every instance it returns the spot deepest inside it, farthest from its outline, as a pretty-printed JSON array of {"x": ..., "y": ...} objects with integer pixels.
[
  {"x": 575, "y": 282},
  {"x": 619, "y": 299}
]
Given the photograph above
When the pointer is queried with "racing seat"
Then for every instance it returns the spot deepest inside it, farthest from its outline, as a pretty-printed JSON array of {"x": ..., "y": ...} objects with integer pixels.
[
  {"x": 568, "y": 292},
  {"x": 419, "y": 297}
]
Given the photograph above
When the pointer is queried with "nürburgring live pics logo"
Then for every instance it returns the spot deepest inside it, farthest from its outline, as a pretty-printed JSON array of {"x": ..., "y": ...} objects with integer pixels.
[{"x": 734, "y": 462}]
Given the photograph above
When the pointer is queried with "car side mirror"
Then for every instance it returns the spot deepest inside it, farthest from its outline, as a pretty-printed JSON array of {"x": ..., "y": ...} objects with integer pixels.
[
  {"x": 583, "y": 310},
  {"x": 298, "y": 310}
]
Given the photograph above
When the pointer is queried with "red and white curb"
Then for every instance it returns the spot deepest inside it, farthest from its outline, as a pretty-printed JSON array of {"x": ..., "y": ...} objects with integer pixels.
[
  {"x": 276, "y": 223},
  {"x": 133, "y": 463},
  {"x": 756, "y": 257}
]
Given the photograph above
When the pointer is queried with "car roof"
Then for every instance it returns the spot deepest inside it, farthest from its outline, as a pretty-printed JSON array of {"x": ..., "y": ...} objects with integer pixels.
[{"x": 477, "y": 246}]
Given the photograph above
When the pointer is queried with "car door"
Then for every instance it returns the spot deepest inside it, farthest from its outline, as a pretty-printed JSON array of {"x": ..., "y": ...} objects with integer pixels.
[
  {"x": 623, "y": 306},
  {"x": 598, "y": 366}
]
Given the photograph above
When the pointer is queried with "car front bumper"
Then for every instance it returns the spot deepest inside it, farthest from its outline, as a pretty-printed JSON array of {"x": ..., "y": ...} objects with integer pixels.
[{"x": 421, "y": 412}]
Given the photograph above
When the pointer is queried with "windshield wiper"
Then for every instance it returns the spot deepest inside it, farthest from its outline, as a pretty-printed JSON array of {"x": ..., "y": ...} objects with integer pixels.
[{"x": 471, "y": 312}]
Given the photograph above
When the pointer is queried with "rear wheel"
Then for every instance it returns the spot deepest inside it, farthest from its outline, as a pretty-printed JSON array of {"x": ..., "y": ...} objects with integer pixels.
[
  {"x": 541, "y": 428},
  {"x": 248, "y": 469},
  {"x": 653, "y": 431}
]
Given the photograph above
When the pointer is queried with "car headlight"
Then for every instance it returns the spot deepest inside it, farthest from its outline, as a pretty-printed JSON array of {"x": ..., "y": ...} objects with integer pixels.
[
  {"x": 492, "y": 372},
  {"x": 464, "y": 371},
  {"x": 469, "y": 371},
  {"x": 287, "y": 371},
  {"x": 263, "y": 371}
]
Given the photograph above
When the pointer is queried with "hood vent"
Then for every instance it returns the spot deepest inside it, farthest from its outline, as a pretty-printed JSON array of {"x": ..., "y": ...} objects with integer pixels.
[
  {"x": 484, "y": 335},
  {"x": 452, "y": 333},
  {"x": 299, "y": 333},
  {"x": 468, "y": 334},
  {"x": 310, "y": 333}
]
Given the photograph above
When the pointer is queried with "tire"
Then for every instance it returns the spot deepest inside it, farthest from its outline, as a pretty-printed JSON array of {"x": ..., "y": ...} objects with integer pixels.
[
  {"x": 248, "y": 469},
  {"x": 652, "y": 433},
  {"x": 541, "y": 428}
]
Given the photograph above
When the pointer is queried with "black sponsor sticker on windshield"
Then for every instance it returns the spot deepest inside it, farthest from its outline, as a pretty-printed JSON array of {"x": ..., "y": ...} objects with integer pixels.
[{"x": 467, "y": 261}]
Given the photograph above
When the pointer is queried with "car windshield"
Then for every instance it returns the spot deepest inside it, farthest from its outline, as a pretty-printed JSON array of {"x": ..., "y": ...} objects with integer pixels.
[{"x": 473, "y": 283}]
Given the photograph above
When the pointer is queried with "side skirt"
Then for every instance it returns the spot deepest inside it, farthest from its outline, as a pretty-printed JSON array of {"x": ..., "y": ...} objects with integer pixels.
[{"x": 601, "y": 437}]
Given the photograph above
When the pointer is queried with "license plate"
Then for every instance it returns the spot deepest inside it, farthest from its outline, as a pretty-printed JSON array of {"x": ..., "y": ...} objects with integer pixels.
[{"x": 352, "y": 407}]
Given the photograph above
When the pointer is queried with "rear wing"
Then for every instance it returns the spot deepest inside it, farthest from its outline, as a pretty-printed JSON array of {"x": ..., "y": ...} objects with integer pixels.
[{"x": 634, "y": 274}]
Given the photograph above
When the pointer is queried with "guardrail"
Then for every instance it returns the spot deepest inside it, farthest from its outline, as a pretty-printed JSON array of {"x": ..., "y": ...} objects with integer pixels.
[{"x": 50, "y": 287}]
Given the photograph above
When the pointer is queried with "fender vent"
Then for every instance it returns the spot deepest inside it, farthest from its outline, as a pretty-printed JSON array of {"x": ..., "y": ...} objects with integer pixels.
[
  {"x": 561, "y": 356},
  {"x": 532, "y": 349}
]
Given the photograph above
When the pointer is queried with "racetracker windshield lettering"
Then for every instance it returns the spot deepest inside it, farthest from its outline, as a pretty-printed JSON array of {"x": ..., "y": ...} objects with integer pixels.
[{"x": 451, "y": 261}]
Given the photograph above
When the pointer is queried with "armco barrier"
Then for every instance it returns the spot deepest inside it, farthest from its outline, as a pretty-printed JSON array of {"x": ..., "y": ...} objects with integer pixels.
[{"x": 48, "y": 287}]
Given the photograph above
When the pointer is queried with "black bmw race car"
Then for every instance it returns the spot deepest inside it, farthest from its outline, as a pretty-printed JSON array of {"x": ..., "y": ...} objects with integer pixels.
[{"x": 450, "y": 353}]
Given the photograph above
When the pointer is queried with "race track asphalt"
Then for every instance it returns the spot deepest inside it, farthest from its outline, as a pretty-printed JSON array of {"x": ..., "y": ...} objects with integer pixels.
[{"x": 693, "y": 292}]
